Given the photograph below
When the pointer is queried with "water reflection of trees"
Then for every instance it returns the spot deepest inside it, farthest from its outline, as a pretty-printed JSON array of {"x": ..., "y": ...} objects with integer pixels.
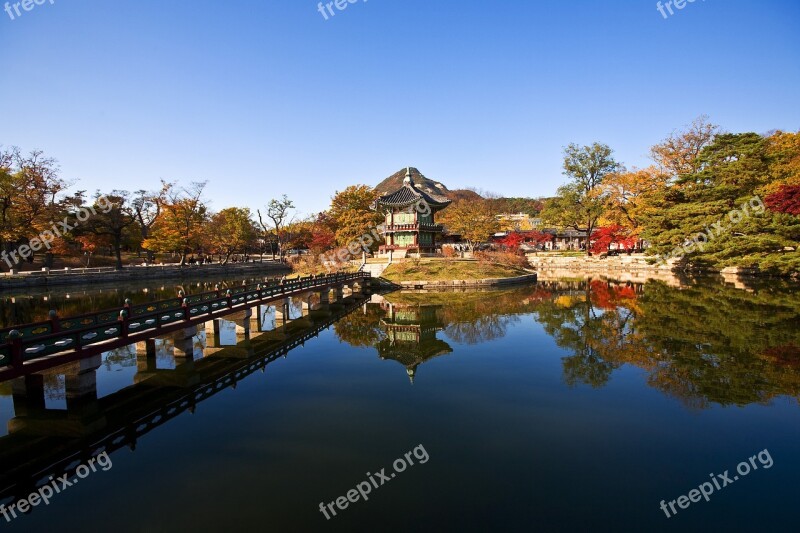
[
  {"x": 703, "y": 344},
  {"x": 361, "y": 328},
  {"x": 487, "y": 328}
]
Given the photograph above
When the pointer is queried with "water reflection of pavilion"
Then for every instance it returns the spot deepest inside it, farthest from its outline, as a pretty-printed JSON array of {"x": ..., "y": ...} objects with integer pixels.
[{"x": 411, "y": 335}]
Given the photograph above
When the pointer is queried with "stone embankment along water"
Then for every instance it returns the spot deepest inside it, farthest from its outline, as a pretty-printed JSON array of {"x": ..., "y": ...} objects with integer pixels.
[
  {"x": 598, "y": 264},
  {"x": 76, "y": 277}
]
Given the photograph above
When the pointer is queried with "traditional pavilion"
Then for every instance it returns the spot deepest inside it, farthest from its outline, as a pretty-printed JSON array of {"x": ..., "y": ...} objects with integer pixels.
[
  {"x": 411, "y": 336},
  {"x": 410, "y": 216}
]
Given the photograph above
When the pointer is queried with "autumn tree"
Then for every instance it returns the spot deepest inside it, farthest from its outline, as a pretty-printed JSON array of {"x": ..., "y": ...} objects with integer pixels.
[
  {"x": 604, "y": 237},
  {"x": 30, "y": 195},
  {"x": 147, "y": 207},
  {"x": 679, "y": 154},
  {"x": 230, "y": 231},
  {"x": 181, "y": 226},
  {"x": 277, "y": 215},
  {"x": 351, "y": 214},
  {"x": 581, "y": 202},
  {"x": 512, "y": 241},
  {"x": 628, "y": 194},
  {"x": 298, "y": 235},
  {"x": 322, "y": 236},
  {"x": 113, "y": 216},
  {"x": 474, "y": 220},
  {"x": 785, "y": 200},
  {"x": 783, "y": 156}
]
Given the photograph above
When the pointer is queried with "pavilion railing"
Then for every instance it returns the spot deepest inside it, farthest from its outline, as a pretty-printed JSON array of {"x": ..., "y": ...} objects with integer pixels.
[{"x": 413, "y": 227}]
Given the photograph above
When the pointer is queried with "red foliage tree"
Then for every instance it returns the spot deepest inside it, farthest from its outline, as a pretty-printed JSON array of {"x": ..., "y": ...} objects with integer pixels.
[
  {"x": 603, "y": 238},
  {"x": 512, "y": 241},
  {"x": 539, "y": 237},
  {"x": 786, "y": 200},
  {"x": 321, "y": 240}
]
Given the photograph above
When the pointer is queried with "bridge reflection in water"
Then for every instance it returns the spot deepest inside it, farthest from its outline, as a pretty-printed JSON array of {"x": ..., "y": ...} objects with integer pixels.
[{"x": 44, "y": 441}]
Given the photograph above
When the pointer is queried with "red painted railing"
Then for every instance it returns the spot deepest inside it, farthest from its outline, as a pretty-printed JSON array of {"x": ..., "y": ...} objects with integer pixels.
[{"x": 414, "y": 227}]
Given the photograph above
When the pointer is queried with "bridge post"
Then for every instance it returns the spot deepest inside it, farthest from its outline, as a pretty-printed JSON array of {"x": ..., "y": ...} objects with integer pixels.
[
  {"x": 28, "y": 395},
  {"x": 81, "y": 386},
  {"x": 243, "y": 331},
  {"x": 325, "y": 295},
  {"x": 259, "y": 317},
  {"x": 184, "y": 343},
  {"x": 212, "y": 333},
  {"x": 146, "y": 348},
  {"x": 17, "y": 359},
  {"x": 282, "y": 310},
  {"x": 146, "y": 355},
  {"x": 55, "y": 323}
]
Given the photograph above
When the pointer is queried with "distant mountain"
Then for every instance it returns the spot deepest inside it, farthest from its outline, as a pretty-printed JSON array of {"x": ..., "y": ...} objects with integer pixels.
[{"x": 395, "y": 181}]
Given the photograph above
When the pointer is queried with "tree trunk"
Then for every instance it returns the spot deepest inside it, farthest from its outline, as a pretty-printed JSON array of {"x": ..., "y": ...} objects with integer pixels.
[{"x": 118, "y": 252}]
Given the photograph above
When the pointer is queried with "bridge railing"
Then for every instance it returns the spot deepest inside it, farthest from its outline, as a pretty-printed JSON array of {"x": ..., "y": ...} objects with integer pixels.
[{"x": 41, "y": 339}]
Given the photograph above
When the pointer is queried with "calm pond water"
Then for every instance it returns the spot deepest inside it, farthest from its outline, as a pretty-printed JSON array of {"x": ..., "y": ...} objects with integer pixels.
[{"x": 561, "y": 406}]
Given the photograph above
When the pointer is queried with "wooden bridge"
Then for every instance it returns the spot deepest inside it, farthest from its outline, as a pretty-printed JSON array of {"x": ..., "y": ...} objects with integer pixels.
[{"x": 32, "y": 348}]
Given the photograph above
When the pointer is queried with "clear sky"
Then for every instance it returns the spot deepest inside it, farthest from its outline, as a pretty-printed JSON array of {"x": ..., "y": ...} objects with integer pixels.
[{"x": 267, "y": 97}]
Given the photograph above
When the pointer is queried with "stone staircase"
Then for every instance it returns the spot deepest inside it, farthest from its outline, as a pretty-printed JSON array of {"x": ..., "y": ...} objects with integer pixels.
[{"x": 375, "y": 269}]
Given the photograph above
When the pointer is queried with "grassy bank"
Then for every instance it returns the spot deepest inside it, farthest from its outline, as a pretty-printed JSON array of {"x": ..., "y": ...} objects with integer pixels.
[{"x": 443, "y": 270}]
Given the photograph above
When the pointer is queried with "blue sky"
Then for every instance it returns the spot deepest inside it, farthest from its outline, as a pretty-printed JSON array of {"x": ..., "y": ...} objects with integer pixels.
[{"x": 267, "y": 97}]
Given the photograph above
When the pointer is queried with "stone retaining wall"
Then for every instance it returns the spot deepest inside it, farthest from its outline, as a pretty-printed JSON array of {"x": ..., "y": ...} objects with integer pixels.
[
  {"x": 143, "y": 273},
  {"x": 597, "y": 264}
]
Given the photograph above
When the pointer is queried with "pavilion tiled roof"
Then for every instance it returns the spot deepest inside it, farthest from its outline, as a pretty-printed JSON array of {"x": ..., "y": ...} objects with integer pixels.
[{"x": 409, "y": 194}]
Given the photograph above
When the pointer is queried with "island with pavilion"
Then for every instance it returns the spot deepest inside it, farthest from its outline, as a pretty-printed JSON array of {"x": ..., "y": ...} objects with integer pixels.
[{"x": 410, "y": 225}]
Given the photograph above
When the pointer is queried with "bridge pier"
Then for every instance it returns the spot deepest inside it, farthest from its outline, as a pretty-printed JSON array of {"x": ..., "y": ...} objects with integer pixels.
[
  {"x": 81, "y": 387},
  {"x": 282, "y": 310},
  {"x": 212, "y": 333},
  {"x": 261, "y": 315},
  {"x": 184, "y": 343},
  {"x": 243, "y": 329},
  {"x": 145, "y": 356},
  {"x": 338, "y": 291},
  {"x": 28, "y": 395},
  {"x": 360, "y": 288},
  {"x": 146, "y": 348}
]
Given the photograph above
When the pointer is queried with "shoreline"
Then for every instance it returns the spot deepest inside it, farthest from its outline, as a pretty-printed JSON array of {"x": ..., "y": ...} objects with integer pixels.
[
  {"x": 76, "y": 277},
  {"x": 636, "y": 266}
]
